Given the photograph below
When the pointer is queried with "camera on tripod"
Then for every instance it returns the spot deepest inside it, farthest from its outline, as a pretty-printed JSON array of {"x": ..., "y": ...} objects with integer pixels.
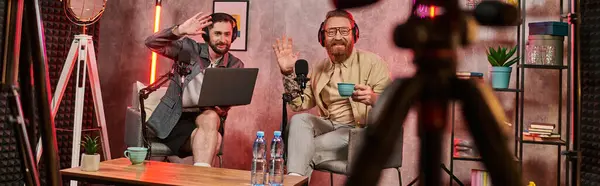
[{"x": 434, "y": 38}]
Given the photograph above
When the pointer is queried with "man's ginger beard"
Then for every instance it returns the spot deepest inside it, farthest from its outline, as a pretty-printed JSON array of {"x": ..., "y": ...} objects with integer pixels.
[{"x": 339, "y": 54}]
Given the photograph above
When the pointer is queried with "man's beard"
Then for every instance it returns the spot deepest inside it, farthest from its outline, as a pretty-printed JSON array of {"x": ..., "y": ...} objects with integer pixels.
[
  {"x": 219, "y": 51},
  {"x": 337, "y": 53}
]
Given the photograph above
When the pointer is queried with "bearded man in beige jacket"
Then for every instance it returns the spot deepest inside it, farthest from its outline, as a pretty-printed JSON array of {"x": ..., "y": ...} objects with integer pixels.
[{"x": 316, "y": 139}]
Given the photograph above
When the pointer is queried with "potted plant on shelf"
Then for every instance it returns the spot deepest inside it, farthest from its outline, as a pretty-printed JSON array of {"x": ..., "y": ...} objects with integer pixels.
[
  {"x": 501, "y": 62},
  {"x": 90, "y": 159}
]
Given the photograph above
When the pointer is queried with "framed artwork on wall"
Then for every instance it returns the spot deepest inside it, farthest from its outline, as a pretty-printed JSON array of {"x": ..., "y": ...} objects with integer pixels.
[{"x": 239, "y": 10}]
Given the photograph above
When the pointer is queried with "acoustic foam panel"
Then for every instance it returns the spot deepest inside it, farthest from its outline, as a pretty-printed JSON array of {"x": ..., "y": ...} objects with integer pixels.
[
  {"x": 11, "y": 165},
  {"x": 590, "y": 93}
]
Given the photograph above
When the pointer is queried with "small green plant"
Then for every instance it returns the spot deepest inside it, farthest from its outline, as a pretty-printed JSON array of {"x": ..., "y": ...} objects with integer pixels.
[
  {"x": 500, "y": 57},
  {"x": 90, "y": 145}
]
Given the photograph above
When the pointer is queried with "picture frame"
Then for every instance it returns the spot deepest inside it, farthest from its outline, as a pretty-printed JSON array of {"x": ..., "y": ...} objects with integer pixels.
[{"x": 239, "y": 10}]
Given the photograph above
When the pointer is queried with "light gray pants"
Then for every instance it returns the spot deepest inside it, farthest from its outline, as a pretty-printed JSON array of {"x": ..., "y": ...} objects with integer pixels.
[{"x": 313, "y": 140}]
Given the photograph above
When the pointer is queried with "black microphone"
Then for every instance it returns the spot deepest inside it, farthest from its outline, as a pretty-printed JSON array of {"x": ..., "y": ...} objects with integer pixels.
[
  {"x": 343, "y": 4},
  {"x": 301, "y": 69},
  {"x": 496, "y": 13},
  {"x": 183, "y": 61}
]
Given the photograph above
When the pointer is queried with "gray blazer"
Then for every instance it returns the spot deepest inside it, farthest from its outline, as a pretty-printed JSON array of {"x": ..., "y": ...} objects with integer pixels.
[{"x": 167, "y": 112}]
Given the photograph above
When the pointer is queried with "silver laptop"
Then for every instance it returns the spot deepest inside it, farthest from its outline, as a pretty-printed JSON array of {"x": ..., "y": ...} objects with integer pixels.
[{"x": 227, "y": 86}]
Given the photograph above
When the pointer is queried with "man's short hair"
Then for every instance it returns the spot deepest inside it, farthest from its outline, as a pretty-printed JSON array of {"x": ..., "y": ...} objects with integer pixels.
[
  {"x": 340, "y": 13},
  {"x": 221, "y": 17}
]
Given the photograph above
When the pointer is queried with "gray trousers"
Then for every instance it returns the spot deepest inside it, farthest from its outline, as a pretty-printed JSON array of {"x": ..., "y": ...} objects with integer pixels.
[{"x": 313, "y": 140}]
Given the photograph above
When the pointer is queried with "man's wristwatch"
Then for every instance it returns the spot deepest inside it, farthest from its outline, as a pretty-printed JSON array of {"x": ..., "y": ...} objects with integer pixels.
[{"x": 175, "y": 30}]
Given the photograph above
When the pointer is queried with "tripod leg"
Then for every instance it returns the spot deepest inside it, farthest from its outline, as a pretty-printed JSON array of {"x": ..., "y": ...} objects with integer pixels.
[
  {"x": 33, "y": 177},
  {"x": 97, "y": 97},
  {"x": 64, "y": 76},
  {"x": 42, "y": 90},
  {"x": 413, "y": 181},
  {"x": 38, "y": 150},
  {"x": 63, "y": 81},
  {"x": 484, "y": 116},
  {"x": 382, "y": 131},
  {"x": 452, "y": 176},
  {"x": 432, "y": 119},
  {"x": 79, "y": 101}
]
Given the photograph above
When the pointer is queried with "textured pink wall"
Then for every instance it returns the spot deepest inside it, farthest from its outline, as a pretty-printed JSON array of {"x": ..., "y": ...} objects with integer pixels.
[{"x": 124, "y": 59}]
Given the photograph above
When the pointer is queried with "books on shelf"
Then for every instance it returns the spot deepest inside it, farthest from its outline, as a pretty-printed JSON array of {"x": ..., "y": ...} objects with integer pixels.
[
  {"x": 477, "y": 76},
  {"x": 536, "y": 137},
  {"x": 541, "y": 132},
  {"x": 469, "y": 74},
  {"x": 546, "y": 126},
  {"x": 540, "y": 128}
]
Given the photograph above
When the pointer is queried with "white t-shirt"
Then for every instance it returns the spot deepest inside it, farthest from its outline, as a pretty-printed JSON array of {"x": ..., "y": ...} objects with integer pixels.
[{"x": 191, "y": 92}]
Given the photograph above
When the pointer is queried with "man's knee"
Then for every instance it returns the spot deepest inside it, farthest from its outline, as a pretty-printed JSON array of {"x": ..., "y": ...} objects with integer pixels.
[
  {"x": 302, "y": 120},
  {"x": 208, "y": 120}
]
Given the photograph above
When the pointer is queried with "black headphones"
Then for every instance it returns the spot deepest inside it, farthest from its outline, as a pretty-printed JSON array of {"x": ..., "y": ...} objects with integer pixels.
[
  {"x": 206, "y": 35},
  {"x": 355, "y": 33}
]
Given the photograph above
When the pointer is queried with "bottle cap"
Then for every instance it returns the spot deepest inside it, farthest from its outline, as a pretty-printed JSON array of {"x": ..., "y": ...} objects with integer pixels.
[
  {"x": 260, "y": 134},
  {"x": 277, "y": 133}
]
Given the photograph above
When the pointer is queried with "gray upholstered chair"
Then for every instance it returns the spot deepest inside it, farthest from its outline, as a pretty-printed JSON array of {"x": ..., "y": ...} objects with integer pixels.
[
  {"x": 354, "y": 146},
  {"x": 133, "y": 128},
  {"x": 356, "y": 140}
]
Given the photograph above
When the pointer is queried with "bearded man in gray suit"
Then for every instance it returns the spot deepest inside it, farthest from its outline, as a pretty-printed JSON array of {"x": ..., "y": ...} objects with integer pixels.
[{"x": 176, "y": 121}]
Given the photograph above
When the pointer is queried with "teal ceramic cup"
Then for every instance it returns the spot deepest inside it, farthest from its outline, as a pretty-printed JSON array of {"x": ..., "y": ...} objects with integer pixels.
[
  {"x": 136, "y": 154},
  {"x": 345, "y": 89}
]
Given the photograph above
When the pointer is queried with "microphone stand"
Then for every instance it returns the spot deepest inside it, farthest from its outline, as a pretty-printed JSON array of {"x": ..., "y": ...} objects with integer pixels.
[
  {"x": 287, "y": 98},
  {"x": 145, "y": 92}
]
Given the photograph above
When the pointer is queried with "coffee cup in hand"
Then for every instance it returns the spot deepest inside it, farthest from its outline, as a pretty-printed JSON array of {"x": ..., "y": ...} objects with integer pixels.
[{"x": 345, "y": 89}]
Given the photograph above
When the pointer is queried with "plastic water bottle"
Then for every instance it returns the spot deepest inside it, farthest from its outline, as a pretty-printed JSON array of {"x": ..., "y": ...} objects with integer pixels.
[
  {"x": 276, "y": 162},
  {"x": 258, "y": 171}
]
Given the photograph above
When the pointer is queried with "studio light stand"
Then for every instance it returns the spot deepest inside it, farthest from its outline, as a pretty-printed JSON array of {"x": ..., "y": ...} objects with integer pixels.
[{"x": 82, "y": 56}]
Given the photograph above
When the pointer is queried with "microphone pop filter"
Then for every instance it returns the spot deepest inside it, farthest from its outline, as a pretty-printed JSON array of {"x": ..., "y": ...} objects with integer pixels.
[{"x": 184, "y": 57}]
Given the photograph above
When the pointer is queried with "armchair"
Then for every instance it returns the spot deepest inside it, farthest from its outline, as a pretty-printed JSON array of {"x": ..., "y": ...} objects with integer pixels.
[
  {"x": 354, "y": 145},
  {"x": 356, "y": 140}
]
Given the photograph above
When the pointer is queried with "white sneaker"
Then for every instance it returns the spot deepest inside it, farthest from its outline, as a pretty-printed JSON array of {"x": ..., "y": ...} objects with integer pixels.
[
  {"x": 294, "y": 174},
  {"x": 202, "y": 164}
]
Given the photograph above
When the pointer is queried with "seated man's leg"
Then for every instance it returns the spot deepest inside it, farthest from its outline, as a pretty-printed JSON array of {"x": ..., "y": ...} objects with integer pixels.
[
  {"x": 205, "y": 137},
  {"x": 303, "y": 129},
  {"x": 332, "y": 145}
]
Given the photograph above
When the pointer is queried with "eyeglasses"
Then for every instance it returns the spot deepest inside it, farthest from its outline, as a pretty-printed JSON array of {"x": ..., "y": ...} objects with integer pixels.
[{"x": 343, "y": 30}]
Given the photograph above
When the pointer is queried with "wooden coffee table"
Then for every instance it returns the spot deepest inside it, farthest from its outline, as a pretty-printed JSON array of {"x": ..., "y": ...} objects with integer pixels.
[{"x": 120, "y": 171}]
